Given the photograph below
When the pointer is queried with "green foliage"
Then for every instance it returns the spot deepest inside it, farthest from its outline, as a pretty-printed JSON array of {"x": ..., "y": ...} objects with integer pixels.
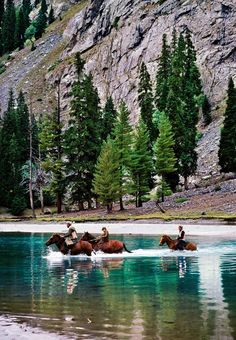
[
  {"x": 206, "y": 111},
  {"x": 163, "y": 189},
  {"x": 227, "y": 148},
  {"x": 26, "y": 7},
  {"x": 20, "y": 29},
  {"x": 40, "y": 24},
  {"x": 141, "y": 164},
  {"x": 2, "y": 68},
  {"x": 109, "y": 115},
  {"x": 30, "y": 31},
  {"x": 107, "y": 175},
  {"x": 116, "y": 22},
  {"x": 8, "y": 27},
  {"x": 51, "y": 17},
  {"x": 123, "y": 141},
  {"x": 181, "y": 200},
  {"x": 83, "y": 136},
  {"x": 18, "y": 205},
  {"x": 164, "y": 153},
  {"x": 145, "y": 98}
]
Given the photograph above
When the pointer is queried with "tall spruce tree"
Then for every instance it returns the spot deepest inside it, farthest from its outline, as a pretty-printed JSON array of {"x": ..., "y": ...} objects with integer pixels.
[
  {"x": 8, "y": 27},
  {"x": 1, "y": 11},
  {"x": 109, "y": 115},
  {"x": 123, "y": 142},
  {"x": 20, "y": 29},
  {"x": 206, "y": 111},
  {"x": 26, "y": 7},
  {"x": 51, "y": 17},
  {"x": 145, "y": 98},
  {"x": 83, "y": 137},
  {"x": 107, "y": 175},
  {"x": 227, "y": 147},
  {"x": 162, "y": 76},
  {"x": 164, "y": 152},
  {"x": 141, "y": 164},
  {"x": 41, "y": 20}
]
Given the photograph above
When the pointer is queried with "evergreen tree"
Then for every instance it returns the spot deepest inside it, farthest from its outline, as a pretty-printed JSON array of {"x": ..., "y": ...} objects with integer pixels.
[
  {"x": 145, "y": 98},
  {"x": 1, "y": 11},
  {"x": 109, "y": 115},
  {"x": 51, "y": 17},
  {"x": 26, "y": 7},
  {"x": 164, "y": 152},
  {"x": 227, "y": 147},
  {"x": 8, "y": 27},
  {"x": 206, "y": 111},
  {"x": 20, "y": 29},
  {"x": 83, "y": 137},
  {"x": 141, "y": 164},
  {"x": 123, "y": 142},
  {"x": 162, "y": 76},
  {"x": 107, "y": 175},
  {"x": 44, "y": 6},
  {"x": 51, "y": 146},
  {"x": 40, "y": 24}
]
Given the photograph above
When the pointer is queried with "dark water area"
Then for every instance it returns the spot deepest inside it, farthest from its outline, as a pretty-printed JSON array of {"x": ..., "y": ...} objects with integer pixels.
[{"x": 152, "y": 293}]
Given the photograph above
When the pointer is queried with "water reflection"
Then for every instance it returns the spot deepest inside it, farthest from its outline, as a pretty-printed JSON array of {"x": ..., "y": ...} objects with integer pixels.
[{"x": 121, "y": 298}]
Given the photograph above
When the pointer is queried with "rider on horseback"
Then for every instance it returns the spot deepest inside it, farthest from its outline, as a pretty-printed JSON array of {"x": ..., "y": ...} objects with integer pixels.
[
  {"x": 104, "y": 237},
  {"x": 180, "y": 244},
  {"x": 71, "y": 236}
]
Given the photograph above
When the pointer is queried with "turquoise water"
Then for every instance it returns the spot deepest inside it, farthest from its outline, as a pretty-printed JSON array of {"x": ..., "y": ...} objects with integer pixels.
[{"x": 152, "y": 293}]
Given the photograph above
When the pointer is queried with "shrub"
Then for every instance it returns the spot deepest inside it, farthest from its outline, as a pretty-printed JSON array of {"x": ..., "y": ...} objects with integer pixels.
[
  {"x": 18, "y": 205},
  {"x": 181, "y": 200}
]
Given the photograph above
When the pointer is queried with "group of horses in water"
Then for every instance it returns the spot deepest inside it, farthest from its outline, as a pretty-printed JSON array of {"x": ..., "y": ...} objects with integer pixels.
[{"x": 86, "y": 245}]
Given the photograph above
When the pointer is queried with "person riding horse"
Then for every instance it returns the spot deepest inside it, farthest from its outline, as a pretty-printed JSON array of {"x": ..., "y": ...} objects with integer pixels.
[
  {"x": 104, "y": 237},
  {"x": 71, "y": 236},
  {"x": 180, "y": 239}
]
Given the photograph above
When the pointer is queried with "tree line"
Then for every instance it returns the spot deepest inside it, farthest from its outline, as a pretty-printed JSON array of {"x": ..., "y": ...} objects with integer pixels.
[
  {"x": 97, "y": 156},
  {"x": 16, "y": 26}
]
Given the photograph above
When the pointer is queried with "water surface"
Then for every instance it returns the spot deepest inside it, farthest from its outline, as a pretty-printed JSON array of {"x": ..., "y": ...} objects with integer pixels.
[{"x": 152, "y": 293}]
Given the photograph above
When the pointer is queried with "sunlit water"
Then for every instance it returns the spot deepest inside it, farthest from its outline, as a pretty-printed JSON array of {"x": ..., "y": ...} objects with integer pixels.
[{"x": 152, "y": 293}]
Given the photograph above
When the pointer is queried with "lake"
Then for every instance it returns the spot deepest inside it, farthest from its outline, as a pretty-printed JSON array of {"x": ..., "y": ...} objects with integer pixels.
[{"x": 152, "y": 293}]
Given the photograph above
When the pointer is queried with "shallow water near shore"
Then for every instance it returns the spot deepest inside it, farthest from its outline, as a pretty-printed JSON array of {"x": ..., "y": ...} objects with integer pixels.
[{"x": 149, "y": 294}]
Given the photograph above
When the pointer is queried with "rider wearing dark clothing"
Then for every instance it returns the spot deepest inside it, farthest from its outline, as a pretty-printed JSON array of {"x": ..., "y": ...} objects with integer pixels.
[{"x": 180, "y": 245}]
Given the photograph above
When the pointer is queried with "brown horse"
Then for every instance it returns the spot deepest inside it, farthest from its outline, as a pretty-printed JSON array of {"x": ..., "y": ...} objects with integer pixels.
[
  {"x": 110, "y": 247},
  {"x": 173, "y": 243},
  {"x": 81, "y": 247}
]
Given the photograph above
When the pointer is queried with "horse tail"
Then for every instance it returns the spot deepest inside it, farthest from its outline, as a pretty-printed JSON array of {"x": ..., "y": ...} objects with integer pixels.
[{"x": 128, "y": 251}]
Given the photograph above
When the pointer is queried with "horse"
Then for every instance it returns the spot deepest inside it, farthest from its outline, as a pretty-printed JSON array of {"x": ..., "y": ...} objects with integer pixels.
[
  {"x": 109, "y": 247},
  {"x": 81, "y": 247},
  {"x": 173, "y": 243}
]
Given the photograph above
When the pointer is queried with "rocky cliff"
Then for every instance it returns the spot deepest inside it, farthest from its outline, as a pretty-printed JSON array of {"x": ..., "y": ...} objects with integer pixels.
[{"x": 115, "y": 36}]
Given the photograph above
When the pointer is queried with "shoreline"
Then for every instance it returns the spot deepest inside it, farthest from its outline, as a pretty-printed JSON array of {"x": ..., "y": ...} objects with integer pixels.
[{"x": 121, "y": 228}]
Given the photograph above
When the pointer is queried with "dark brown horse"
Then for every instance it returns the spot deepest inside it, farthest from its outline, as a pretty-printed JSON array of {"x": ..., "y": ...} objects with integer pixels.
[
  {"x": 81, "y": 247},
  {"x": 172, "y": 244},
  {"x": 110, "y": 247}
]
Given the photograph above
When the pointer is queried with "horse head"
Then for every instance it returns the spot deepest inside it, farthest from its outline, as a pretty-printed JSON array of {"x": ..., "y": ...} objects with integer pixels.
[
  {"x": 164, "y": 239},
  {"x": 55, "y": 238},
  {"x": 86, "y": 236}
]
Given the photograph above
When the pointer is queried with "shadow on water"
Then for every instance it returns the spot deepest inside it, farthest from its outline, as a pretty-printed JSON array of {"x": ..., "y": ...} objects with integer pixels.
[{"x": 149, "y": 294}]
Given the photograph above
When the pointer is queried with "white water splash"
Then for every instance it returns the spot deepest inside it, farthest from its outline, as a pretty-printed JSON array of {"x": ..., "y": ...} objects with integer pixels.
[{"x": 55, "y": 256}]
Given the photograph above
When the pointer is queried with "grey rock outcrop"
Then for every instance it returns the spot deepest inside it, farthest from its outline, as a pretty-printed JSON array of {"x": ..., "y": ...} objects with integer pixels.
[{"x": 116, "y": 35}]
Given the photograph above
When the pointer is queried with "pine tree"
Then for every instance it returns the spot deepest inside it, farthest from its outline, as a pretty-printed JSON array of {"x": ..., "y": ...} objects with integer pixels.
[
  {"x": 123, "y": 141},
  {"x": 51, "y": 17},
  {"x": 206, "y": 111},
  {"x": 51, "y": 146},
  {"x": 227, "y": 147},
  {"x": 109, "y": 115},
  {"x": 1, "y": 11},
  {"x": 44, "y": 6},
  {"x": 83, "y": 137},
  {"x": 20, "y": 29},
  {"x": 164, "y": 151},
  {"x": 145, "y": 98},
  {"x": 107, "y": 175},
  {"x": 141, "y": 164},
  {"x": 8, "y": 27},
  {"x": 40, "y": 25},
  {"x": 162, "y": 76},
  {"x": 26, "y": 7}
]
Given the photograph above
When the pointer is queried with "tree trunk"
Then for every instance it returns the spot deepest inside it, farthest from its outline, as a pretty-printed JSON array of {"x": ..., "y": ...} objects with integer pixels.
[
  {"x": 121, "y": 204},
  {"x": 89, "y": 204},
  {"x": 186, "y": 183},
  {"x": 59, "y": 203},
  {"x": 81, "y": 206},
  {"x": 41, "y": 199},
  {"x": 31, "y": 161},
  {"x": 109, "y": 208}
]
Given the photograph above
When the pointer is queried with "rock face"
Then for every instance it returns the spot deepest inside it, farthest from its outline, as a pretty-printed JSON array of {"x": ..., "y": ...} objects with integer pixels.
[{"x": 114, "y": 36}]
